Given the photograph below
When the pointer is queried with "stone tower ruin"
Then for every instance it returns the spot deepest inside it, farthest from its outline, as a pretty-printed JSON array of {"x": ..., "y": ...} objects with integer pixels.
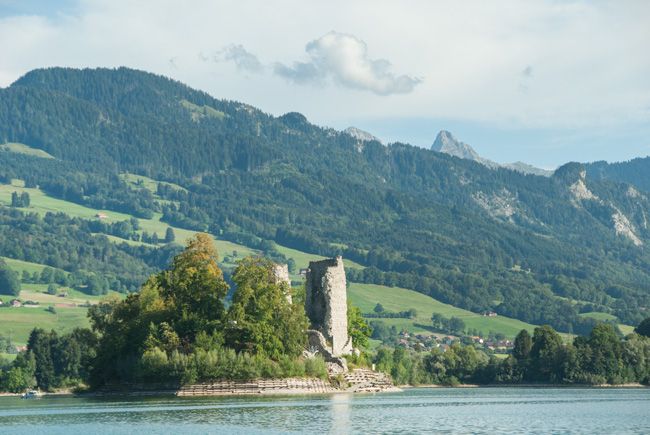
[
  {"x": 281, "y": 273},
  {"x": 326, "y": 303}
]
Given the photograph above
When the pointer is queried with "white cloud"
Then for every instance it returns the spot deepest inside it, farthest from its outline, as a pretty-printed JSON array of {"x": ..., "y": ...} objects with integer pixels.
[
  {"x": 242, "y": 58},
  {"x": 344, "y": 58},
  {"x": 588, "y": 61}
]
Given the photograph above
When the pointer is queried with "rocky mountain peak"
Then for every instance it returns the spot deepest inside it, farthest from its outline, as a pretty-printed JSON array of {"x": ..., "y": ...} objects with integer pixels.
[
  {"x": 361, "y": 135},
  {"x": 446, "y": 143}
]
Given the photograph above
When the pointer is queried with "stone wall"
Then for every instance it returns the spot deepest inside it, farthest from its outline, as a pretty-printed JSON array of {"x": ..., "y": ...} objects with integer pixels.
[
  {"x": 326, "y": 303},
  {"x": 281, "y": 272},
  {"x": 259, "y": 386}
]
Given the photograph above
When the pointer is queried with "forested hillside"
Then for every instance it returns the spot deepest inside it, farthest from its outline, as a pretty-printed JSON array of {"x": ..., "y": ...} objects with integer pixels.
[
  {"x": 538, "y": 249},
  {"x": 635, "y": 172}
]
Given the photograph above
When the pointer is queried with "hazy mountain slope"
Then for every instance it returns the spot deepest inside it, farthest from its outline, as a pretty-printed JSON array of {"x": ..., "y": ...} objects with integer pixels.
[
  {"x": 635, "y": 172},
  {"x": 466, "y": 234}
]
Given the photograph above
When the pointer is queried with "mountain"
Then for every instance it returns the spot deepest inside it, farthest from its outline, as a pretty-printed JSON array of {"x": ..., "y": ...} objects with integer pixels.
[
  {"x": 361, "y": 135},
  {"x": 446, "y": 143},
  {"x": 635, "y": 172},
  {"x": 540, "y": 249}
]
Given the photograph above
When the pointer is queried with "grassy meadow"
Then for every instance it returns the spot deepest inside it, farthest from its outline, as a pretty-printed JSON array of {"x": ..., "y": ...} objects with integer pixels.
[
  {"x": 21, "y": 148},
  {"x": 366, "y": 296},
  {"x": 17, "y": 323}
]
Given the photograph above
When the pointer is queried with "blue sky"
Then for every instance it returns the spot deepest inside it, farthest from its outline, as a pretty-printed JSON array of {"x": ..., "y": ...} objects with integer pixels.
[
  {"x": 50, "y": 8},
  {"x": 540, "y": 81}
]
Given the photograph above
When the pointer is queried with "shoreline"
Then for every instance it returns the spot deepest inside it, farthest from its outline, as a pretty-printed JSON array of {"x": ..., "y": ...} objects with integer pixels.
[
  {"x": 586, "y": 386},
  {"x": 307, "y": 391}
]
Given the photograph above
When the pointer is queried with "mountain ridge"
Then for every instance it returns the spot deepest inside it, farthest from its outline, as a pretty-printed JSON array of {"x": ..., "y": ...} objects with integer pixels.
[{"x": 445, "y": 142}]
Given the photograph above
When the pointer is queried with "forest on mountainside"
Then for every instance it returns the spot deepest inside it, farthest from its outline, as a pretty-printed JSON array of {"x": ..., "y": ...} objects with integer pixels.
[{"x": 478, "y": 238}]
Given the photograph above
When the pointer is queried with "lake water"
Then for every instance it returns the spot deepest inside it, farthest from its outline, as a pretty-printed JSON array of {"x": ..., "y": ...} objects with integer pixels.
[{"x": 441, "y": 410}]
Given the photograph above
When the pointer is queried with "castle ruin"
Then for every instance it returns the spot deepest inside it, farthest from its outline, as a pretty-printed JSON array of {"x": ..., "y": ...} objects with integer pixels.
[
  {"x": 326, "y": 303},
  {"x": 281, "y": 273}
]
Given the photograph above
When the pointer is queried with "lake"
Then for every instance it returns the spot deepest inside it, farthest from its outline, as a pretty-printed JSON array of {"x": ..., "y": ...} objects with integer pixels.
[{"x": 422, "y": 410}]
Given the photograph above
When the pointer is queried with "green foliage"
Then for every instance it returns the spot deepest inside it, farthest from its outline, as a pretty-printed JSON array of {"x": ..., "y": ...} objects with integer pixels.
[
  {"x": 20, "y": 200},
  {"x": 56, "y": 361},
  {"x": 194, "y": 286},
  {"x": 17, "y": 380},
  {"x": 260, "y": 318},
  {"x": 9, "y": 281},
  {"x": 453, "y": 325},
  {"x": 601, "y": 358},
  {"x": 95, "y": 263},
  {"x": 177, "y": 330},
  {"x": 644, "y": 327},
  {"x": 169, "y": 235},
  {"x": 358, "y": 328},
  {"x": 522, "y": 346}
]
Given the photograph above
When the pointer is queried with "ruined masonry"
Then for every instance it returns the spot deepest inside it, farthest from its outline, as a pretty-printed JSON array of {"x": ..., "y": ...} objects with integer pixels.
[
  {"x": 326, "y": 303},
  {"x": 281, "y": 272}
]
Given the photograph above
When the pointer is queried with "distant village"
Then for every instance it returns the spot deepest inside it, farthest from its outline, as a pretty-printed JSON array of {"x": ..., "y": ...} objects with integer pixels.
[{"x": 427, "y": 342}]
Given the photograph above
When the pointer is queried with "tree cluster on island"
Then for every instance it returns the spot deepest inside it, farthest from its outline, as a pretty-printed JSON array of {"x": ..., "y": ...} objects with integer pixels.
[{"x": 178, "y": 330}]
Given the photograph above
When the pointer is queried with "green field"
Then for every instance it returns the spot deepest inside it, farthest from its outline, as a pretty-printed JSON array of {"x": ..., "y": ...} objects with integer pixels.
[
  {"x": 21, "y": 148},
  {"x": 198, "y": 112},
  {"x": 600, "y": 316},
  {"x": 626, "y": 329},
  {"x": 19, "y": 265},
  {"x": 41, "y": 204},
  {"x": 302, "y": 259},
  {"x": 148, "y": 183},
  {"x": 7, "y": 356},
  {"x": 17, "y": 323},
  {"x": 366, "y": 296},
  {"x": 38, "y": 292}
]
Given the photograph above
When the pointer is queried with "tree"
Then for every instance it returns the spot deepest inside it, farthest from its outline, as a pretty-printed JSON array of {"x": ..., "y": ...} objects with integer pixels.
[
  {"x": 40, "y": 345},
  {"x": 456, "y": 325},
  {"x": 9, "y": 282},
  {"x": 261, "y": 320},
  {"x": 195, "y": 285},
  {"x": 169, "y": 235},
  {"x": 437, "y": 320},
  {"x": 358, "y": 328},
  {"x": 606, "y": 352},
  {"x": 18, "y": 380},
  {"x": 47, "y": 275},
  {"x": 291, "y": 265},
  {"x": 379, "y": 308},
  {"x": 522, "y": 345},
  {"x": 545, "y": 353},
  {"x": 20, "y": 200},
  {"x": 643, "y": 328},
  {"x": 24, "y": 199}
]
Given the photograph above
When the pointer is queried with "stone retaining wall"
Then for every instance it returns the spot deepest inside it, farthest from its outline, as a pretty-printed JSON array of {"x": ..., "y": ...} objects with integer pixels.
[{"x": 260, "y": 386}]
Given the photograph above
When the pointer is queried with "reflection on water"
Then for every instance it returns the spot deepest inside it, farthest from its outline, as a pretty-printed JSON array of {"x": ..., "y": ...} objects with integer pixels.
[
  {"x": 484, "y": 410},
  {"x": 340, "y": 410}
]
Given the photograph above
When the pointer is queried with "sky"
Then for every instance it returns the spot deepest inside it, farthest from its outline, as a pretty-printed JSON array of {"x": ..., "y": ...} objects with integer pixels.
[{"x": 544, "y": 82}]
